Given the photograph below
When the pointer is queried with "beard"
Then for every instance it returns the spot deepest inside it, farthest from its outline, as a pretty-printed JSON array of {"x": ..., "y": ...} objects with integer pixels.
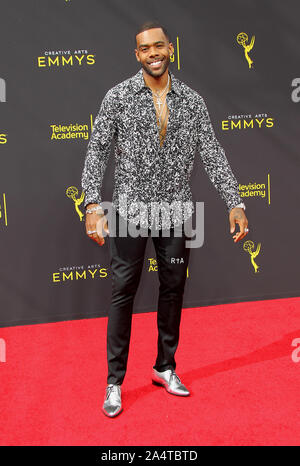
[{"x": 158, "y": 73}]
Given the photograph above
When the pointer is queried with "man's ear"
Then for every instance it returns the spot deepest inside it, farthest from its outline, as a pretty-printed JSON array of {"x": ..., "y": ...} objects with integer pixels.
[
  {"x": 137, "y": 55},
  {"x": 171, "y": 48}
]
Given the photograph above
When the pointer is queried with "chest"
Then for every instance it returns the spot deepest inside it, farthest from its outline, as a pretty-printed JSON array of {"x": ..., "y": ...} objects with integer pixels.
[{"x": 138, "y": 119}]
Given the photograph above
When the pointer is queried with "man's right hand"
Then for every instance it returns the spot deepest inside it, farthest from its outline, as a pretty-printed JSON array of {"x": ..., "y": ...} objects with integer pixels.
[{"x": 96, "y": 223}]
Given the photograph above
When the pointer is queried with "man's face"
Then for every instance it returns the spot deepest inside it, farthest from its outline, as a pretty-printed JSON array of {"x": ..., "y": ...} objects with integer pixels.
[{"x": 153, "y": 51}]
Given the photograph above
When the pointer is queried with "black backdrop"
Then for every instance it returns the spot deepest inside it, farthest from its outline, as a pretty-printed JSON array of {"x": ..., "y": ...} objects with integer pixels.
[{"x": 50, "y": 271}]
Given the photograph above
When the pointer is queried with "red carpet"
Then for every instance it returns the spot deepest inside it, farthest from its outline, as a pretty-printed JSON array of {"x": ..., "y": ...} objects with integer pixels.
[{"x": 235, "y": 358}]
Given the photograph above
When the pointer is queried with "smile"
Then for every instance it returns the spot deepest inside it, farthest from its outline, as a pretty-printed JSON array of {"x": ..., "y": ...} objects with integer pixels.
[{"x": 156, "y": 63}]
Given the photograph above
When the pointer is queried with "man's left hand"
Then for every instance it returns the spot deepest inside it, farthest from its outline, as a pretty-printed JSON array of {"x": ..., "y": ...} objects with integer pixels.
[{"x": 237, "y": 215}]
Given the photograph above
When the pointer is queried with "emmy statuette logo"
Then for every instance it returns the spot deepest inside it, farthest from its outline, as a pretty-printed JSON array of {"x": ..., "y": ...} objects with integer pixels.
[
  {"x": 242, "y": 39},
  {"x": 249, "y": 247},
  {"x": 72, "y": 193}
]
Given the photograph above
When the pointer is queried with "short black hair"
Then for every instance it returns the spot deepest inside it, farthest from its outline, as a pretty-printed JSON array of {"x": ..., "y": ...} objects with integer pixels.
[{"x": 152, "y": 25}]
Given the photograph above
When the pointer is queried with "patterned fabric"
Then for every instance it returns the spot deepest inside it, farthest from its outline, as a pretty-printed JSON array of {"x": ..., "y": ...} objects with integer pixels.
[{"x": 149, "y": 177}]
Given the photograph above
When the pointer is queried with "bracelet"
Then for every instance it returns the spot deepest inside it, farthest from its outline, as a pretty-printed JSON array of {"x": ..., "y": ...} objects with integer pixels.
[
  {"x": 241, "y": 205},
  {"x": 94, "y": 209}
]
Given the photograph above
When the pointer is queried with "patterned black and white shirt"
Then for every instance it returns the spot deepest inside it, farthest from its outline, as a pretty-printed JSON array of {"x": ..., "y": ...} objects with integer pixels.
[{"x": 146, "y": 173}]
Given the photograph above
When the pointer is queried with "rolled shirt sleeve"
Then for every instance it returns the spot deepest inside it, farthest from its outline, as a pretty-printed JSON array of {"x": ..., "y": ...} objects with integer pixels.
[
  {"x": 98, "y": 151},
  {"x": 214, "y": 160}
]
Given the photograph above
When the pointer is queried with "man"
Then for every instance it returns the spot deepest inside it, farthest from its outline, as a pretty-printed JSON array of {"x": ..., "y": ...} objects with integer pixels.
[{"x": 157, "y": 123}]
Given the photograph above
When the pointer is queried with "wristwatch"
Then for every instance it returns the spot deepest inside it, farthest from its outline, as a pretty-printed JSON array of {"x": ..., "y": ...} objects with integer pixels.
[{"x": 241, "y": 205}]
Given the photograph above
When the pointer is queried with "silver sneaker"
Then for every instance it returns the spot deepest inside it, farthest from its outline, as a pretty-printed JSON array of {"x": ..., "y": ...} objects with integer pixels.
[
  {"x": 112, "y": 402},
  {"x": 170, "y": 380}
]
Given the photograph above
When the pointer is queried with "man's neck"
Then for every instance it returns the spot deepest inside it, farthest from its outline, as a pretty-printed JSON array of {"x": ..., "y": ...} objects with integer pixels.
[{"x": 156, "y": 84}]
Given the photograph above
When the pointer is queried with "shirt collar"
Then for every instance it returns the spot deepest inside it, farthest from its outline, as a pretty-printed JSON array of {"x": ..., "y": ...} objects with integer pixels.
[{"x": 138, "y": 82}]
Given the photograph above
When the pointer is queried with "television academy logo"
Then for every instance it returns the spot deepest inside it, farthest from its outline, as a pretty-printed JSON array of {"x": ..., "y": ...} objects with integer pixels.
[
  {"x": 69, "y": 132},
  {"x": 153, "y": 266},
  {"x": 256, "y": 190}
]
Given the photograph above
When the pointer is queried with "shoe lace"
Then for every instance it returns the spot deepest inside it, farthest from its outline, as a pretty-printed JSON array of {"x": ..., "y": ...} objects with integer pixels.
[
  {"x": 113, "y": 391},
  {"x": 174, "y": 376}
]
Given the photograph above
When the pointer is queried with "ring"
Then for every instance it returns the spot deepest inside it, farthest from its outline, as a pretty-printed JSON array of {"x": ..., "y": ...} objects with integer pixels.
[
  {"x": 91, "y": 232},
  {"x": 246, "y": 230}
]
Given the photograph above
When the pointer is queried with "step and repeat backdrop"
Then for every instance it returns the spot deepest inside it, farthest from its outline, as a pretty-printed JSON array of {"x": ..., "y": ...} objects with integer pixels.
[{"x": 58, "y": 59}]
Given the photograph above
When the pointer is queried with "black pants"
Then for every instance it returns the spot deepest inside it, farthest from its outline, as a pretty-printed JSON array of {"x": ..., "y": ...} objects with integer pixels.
[{"x": 127, "y": 259}]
